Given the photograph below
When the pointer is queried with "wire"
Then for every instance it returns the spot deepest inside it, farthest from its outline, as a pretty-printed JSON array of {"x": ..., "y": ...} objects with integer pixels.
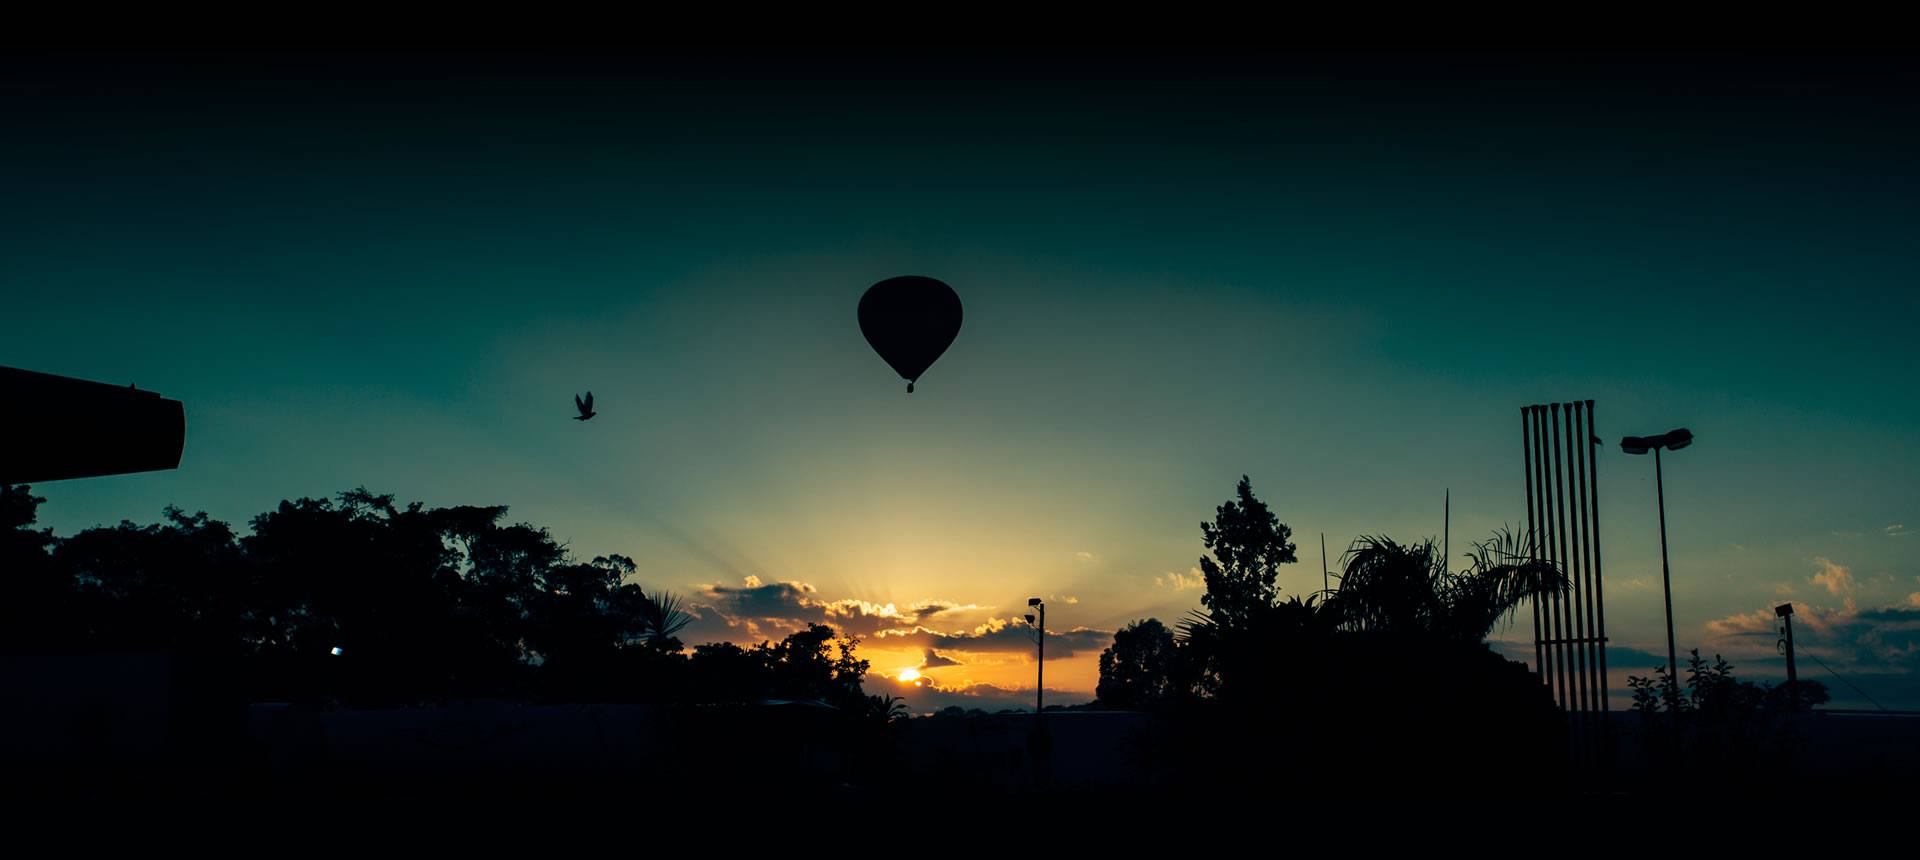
[{"x": 1863, "y": 693}]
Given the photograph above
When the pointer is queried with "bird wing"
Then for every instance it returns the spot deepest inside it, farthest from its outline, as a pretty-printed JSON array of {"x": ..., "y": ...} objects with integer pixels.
[
  {"x": 589, "y": 402},
  {"x": 578, "y": 405}
]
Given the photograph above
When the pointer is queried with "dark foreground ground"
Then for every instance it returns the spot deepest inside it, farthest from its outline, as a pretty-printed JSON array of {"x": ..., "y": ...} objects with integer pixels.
[{"x": 125, "y": 747}]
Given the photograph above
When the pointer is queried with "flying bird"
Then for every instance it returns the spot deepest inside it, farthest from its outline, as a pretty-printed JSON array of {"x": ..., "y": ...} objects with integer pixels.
[{"x": 585, "y": 407}]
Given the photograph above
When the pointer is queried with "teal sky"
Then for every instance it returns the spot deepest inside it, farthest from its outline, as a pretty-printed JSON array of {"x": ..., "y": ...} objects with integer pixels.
[{"x": 1340, "y": 275}]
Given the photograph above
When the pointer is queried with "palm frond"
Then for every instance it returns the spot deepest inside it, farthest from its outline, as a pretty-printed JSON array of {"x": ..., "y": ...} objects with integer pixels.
[
  {"x": 1507, "y": 571},
  {"x": 665, "y": 615},
  {"x": 1196, "y": 623},
  {"x": 1387, "y": 587}
]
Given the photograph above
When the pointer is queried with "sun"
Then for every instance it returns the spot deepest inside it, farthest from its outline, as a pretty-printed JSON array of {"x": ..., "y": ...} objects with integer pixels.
[{"x": 909, "y": 675}]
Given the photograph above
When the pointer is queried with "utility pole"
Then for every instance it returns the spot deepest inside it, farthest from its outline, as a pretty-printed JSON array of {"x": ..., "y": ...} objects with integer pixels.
[{"x": 1785, "y": 611}]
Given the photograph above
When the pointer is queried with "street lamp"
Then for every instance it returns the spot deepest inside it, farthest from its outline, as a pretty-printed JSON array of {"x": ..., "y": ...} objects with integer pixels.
[
  {"x": 1672, "y": 440},
  {"x": 1040, "y": 678},
  {"x": 1037, "y": 744}
]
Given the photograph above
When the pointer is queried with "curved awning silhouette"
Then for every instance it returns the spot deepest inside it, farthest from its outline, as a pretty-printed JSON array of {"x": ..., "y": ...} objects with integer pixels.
[{"x": 58, "y": 427}]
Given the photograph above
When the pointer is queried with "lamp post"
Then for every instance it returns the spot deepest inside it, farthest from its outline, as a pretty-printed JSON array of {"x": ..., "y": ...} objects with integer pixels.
[
  {"x": 1040, "y": 677},
  {"x": 1672, "y": 440},
  {"x": 1037, "y": 744}
]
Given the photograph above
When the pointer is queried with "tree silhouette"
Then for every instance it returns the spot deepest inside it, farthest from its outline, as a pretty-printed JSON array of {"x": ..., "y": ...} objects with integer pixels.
[
  {"x": 1140, "y": 669},
  {"x": 181, "y": 584},
  {"x": 1248, "y": 545},
  {"x": 35, "y": 616},
  {"x": 815, "y": 664},
  {"x": 1389, "y": 674},
  {"x": 1721, "y": 729},
  {"x": 423, "y": 604}
]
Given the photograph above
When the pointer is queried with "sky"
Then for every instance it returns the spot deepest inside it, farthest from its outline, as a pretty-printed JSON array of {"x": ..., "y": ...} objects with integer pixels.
[{"x": 1340, "y": 272}]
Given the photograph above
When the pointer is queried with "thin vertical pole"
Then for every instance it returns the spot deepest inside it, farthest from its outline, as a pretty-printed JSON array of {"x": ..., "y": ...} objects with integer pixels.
[
  {"x": 1040, "y": 679},
  {"x": 1793, "y": 676},
  {"x": 1575, "y": 594},
  {"x": 1545, "y": 539},
  {"x": 1583, "y": 440},
  {"x": 1446, "y": 530},
  {"x": 1666, "y": 576},
  {"x": 1558, "y": 548},
  {"x": 1598, "y": 602},
  {"x": 1526, "y": 451},
  {"x": 1326, "y": 585},
  {"x": 1576, "y": 572}
]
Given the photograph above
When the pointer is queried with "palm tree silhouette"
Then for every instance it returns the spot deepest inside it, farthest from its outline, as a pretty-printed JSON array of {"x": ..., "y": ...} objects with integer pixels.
[
  {"x": 887, "y": 709},
  {"x": 1391, "y": 588},
  {"x": 664, "y": 616}
]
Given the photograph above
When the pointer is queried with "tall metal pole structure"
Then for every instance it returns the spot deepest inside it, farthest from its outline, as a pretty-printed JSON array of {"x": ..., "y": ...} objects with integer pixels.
[
  {"x": 1543, "y": 541},
  {"x": 1556, "y": 551},
  {"x": 1526, "y": 449},
  {"x": 1563, "y": 510},
  {"x": 1570, "y": 563},
  {"x": 1594, "y": 602}
]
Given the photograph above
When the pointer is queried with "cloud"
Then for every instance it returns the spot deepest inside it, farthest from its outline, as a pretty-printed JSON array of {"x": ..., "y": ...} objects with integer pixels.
[
  {"x": 764, "y": 610},
  {"x": 1085, "y": 556},
  {"x": 1836, "y": 578},
  {"x": 1631, "y": 583},
  {"x": 1897, "y": 530},
  {"x": 862, "y": 618},
  {"x": 1913, "y": 599},
  {"x": 1178, "y": 581},
  {"x": 757, "y": 610},
  {"x": 1883, "y": 643},
  {"x": 1002, "y": 636},
  {"x": 1069, "y": 600},
  {"x": 760, "y": 609}
]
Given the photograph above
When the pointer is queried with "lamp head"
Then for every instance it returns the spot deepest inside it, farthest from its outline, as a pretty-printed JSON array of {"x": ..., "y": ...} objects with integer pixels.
[
  {"x": 1029, "y": 620},
  {"x": 1033, "y": 601},
  {"x": 1636, "y": 445},
  {"x": 1677, "y": 439},
  {"x": 1783, "y": 610}
]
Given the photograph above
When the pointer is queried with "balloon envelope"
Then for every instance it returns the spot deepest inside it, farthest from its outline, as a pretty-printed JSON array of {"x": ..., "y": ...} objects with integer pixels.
[{"x": 910, "y": 321}]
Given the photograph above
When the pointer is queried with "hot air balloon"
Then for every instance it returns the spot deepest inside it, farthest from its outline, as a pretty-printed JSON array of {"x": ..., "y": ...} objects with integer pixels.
[{"x": 910, "y": 320}]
